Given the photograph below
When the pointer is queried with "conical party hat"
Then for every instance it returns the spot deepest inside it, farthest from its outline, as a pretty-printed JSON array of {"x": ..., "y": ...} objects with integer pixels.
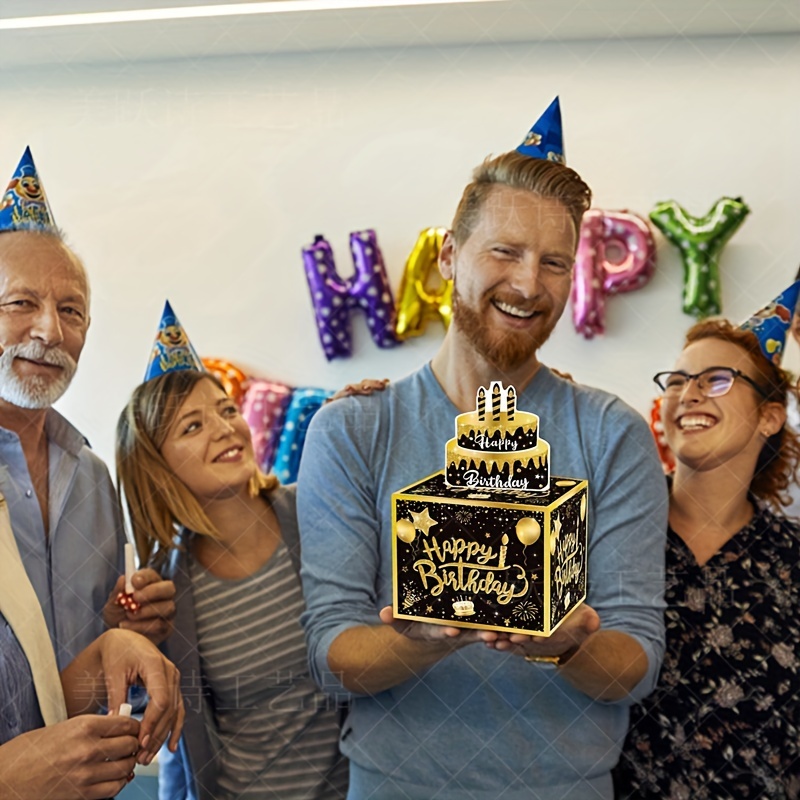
[
  {"x": 24, "y": 206},
  {"x": 772, "y": 323},
  {"x": 172, "y": 350},
  {"x": 545, "y": 139}
]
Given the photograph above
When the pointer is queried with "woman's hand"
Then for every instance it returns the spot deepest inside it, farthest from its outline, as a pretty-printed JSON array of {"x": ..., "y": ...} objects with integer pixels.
[
  {"x": 156, "y": 600},
  {"x": 109, "y": 666}
]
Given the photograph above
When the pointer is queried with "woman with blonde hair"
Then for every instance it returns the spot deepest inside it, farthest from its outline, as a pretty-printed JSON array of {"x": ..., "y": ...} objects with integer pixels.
[
  {"x": 205, "y": 515},
  {"x": 723, "y": 721}
]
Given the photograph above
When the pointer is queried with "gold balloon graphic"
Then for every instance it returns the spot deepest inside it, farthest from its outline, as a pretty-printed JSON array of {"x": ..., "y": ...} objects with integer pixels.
[
  {"x": 528, "y": 531},
  {"x": 406, "y": 531},
  {"x": 583, "y": 508}
]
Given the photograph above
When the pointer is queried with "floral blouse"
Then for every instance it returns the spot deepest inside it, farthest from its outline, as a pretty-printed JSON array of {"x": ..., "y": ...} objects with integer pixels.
[{"x": 723, "y": 722}]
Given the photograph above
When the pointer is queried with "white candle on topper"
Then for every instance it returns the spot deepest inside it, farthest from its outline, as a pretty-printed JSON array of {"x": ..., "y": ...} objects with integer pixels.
[{"x": 130, "y": 568}]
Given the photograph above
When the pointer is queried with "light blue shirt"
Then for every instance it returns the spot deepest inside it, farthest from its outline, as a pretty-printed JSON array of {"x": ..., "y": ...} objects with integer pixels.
[
  {"x": 480, "y": 724},
  {"x": 73, "y": 570}
]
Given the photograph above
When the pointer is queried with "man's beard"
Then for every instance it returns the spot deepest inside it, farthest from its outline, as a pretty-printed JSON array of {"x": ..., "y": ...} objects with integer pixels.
[
  {"x": 506, "y": 350},
  {"x": 34, "y": 391}
]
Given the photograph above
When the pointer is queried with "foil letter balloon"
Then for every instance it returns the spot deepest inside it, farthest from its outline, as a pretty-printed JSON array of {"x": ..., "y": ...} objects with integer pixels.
[
  {"x": 230, "y": 376},
  {"x": 418, "y": 300},
  {"x": 657, "y": 429},
  {"x": 302, "y": 407},
  {"x": 700, "y": 241},
  {"x": 616, "y": 253},
  {"x": 335, "y": 298},
  {"x": 264, "y": 409}
]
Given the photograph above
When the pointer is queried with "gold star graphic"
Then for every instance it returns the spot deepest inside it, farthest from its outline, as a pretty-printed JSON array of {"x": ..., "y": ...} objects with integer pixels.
[
  {"x": 422, "y": 521},
  {"x": 429, "y": 609},
  {"x": 556, "y": 526},
  {"x": 507, "y": 621}
]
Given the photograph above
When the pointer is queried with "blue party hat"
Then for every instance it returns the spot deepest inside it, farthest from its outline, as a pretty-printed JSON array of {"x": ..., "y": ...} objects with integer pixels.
[
  {"x": 545, "y": 139},
  {"x": 24, "y": 206},
  {"x": 172, "y": 350},
  {"x": 772, "y": 323}
]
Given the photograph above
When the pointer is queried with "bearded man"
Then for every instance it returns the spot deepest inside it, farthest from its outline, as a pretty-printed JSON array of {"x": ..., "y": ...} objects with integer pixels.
[
  {"x": 448, "y": 713},
  {"x": 64, "y": 510}
]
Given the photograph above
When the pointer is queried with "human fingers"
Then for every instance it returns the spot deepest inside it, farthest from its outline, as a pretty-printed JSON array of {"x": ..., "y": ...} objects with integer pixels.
[
  {"x": 177, "y": 728},
  {"x": 151, "y": 587},
  {"x": 581, "y": 623},
  {"x": 118, "y": 748},
  {"x": 164, "y": 609},
  {"x": 113, "y": 613},
  {"x": 156, "y": 630},
  {"x": 426, "y": 631},
  {"x": 164, "y": 712}
]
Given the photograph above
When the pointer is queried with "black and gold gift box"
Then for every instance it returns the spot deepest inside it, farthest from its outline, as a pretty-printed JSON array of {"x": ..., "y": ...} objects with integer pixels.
[{"x": 512, "y": 561}]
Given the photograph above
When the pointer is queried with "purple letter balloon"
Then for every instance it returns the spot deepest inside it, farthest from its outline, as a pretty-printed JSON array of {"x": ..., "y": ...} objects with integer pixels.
[{"x": 334, "y": 298}]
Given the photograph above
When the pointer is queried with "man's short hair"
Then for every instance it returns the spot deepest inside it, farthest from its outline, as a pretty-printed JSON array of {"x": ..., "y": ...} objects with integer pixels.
[
  {"x": 56, "y": 235},
  {"x": 517, "y": 171}
]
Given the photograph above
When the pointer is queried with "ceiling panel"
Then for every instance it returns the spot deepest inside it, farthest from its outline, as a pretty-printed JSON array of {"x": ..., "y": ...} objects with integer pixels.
[{"x": 506, "y": 21}]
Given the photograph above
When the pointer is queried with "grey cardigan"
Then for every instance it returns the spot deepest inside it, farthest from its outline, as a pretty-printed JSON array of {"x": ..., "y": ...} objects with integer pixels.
[{"x": 191, "y": 773}]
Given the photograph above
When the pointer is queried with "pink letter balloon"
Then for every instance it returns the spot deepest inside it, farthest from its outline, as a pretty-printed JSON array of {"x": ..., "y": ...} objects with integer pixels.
[{"x": 616, "y": 253}]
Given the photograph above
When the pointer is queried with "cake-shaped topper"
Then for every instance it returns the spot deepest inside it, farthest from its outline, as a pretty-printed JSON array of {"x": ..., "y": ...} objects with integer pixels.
[
  {"x": 771, "y": 323},
  {"x": 544, "y": 140},
  {"x": 172, "y": 349},
  {"x": 24, "y": 206},
  {"x": 498, "y": 447}
]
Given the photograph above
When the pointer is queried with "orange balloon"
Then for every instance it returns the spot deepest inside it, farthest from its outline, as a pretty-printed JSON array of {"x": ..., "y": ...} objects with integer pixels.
[
  {"x": 231, "y": 377},
  {"x": 416, "y": 303},
  {"x": 657, "y": 429}
]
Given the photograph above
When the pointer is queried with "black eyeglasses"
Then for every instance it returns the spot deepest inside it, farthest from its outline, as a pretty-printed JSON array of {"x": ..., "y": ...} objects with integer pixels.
[{"x": 711, "y": 382}]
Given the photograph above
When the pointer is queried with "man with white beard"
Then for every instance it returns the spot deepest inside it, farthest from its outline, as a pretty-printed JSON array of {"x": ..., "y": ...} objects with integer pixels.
[{"x": 63, "y": 507}]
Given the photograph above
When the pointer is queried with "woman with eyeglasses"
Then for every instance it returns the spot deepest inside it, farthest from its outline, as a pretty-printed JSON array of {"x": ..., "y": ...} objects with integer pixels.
[{"x": 723, "y": 722}]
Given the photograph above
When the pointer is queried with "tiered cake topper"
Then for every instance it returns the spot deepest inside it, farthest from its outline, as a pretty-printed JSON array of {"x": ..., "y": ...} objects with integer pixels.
[
  {"x": 24, "y": 206},
  {"x": 498, "y": 447},
  {"x": 545, "y": 139},
  {"x": 172, "y": 350},
  {"x": 771, "y": 323}
]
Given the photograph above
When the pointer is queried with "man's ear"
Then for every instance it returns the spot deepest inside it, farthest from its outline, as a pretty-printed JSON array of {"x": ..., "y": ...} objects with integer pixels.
[
  {"x": 773, "y": 418},
  {"x": 447, "y": 256}
]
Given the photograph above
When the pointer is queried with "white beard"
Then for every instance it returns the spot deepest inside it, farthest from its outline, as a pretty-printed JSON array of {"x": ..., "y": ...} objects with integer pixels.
[{"x": 36, "y": 391}]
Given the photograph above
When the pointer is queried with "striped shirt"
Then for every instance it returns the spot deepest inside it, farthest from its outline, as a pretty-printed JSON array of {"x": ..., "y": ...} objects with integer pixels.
[
  {"x": 278, "y": 734},
  {"x": 19, "y": 708}
]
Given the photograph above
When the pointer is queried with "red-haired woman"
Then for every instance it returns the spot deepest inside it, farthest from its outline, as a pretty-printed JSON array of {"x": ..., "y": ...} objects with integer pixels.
[{"x": 723, "y": 722}]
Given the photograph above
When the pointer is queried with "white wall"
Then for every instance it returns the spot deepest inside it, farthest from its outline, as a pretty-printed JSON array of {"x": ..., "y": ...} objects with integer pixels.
[{"x": 201, "y": 180}]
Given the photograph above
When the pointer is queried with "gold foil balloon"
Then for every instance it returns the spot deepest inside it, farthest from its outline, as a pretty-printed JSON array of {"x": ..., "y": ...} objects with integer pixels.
[
  {"x": 528, "y": 531},
  {"x": 583, "y": 507},
  {"x": 416, "y": 301},
  {"x": 406, "y": 531}
]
